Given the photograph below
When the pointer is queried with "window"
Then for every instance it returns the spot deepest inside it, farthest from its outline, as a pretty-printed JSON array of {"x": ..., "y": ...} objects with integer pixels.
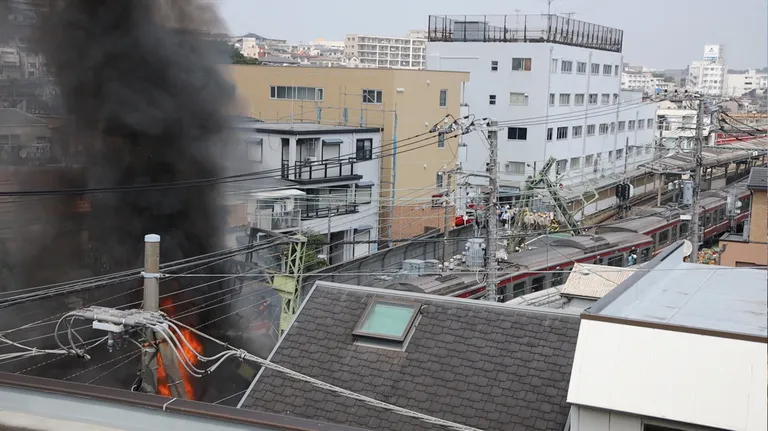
[
  {"x": 648, "y": 149},
  {"x": 517, "y": 133},
  {"x": 575, "y": 162},
  {"x": 388, "y": 320},
  {"x": 255, "y": 150},
  {"x": 561, "y": 166},
  {"x": 581, "y": 67},
  {"x": 364, "y": 149},
  {"x": 622, "y": 125},
  {"x": 631, "y": 125},
  {"x": 554, "y": 66},
  {"x": 518, "y": 98},
  {"x": 619, "y": 155},
  {"x": 372, "y": 97},
  {"x": 610, "y": 156},
  {"x": 640, "y": 124},
  {"x": 494, "y": 66},
  {"x": 595, "y": 68},
  {"x": 578, "y": 99},
  {"x": 607, "y": 68},
  {"x": 605, "y": 99},
  {"x": 295, "y": 93},
  {"x": 565, "y": 99},
  {"x": 443, "y": 98},
  {"x": 363, "y": 194},
  {"x": 439, "y": 180},
  {"x": 616, "y": 70},
  {"x": 562, "y": 132},
  {"x": 590, "y": 130},
  {"x": 604, "y": 128},
  {"x": 613, "y": 128},
  {"x": 566, "y": 66},
  {"x": 588, "y": 160},
  {"x": 549, "y": 134},
  {"x": 615, "y": 98},
  {"x": 516, "y": 168},
  {"x": 551, "y": 99},
  {"x": 441, "y": 140},
  {"x": 521, "y": 64},
  {"x": 577, "y": 131},
  {"x": 593, "y": 99},
  {"x": 649, "y": 122},
  {"x": 491, "y": 99}
]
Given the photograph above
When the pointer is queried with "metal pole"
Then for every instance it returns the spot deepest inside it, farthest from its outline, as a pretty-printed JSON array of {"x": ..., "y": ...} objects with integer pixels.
[
  {"x": 492, "y": 236},
  {"x": 694, "y": 230},
  {"x": 152, "y": 303},
  {"x": 446, "y": 220}
]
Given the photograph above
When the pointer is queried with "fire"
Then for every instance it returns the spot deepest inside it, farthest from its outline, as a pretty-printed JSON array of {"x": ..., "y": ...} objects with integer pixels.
[{"x": 163, "y": 388}]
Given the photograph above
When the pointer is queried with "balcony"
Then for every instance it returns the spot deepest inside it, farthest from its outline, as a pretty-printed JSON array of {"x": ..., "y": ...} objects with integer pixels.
[
  {"x": 524, "y": 29},
  {"x": 276, "y": 221},
  {"x": 320, "y": 170},
  {"x": 310, "y": 210}
]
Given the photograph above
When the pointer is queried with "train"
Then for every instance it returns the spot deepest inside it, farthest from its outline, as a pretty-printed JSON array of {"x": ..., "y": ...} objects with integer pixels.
[{"x": 548, "y": 259}]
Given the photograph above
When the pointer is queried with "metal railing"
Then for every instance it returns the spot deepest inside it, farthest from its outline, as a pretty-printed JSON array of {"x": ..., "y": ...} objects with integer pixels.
[
  {"x": 524, "y": 28},
  {"x": 317, "y": 211},
  {"x": 318, "y": 170},
  {"x": 276, "y": 221}
]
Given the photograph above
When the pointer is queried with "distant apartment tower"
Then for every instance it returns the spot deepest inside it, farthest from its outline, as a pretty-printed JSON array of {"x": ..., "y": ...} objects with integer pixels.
[
  {"x": 739, "y": 83},
  {"x": 554, "y": 86},
  {"x": 388, "y": 52},
  {"x": 708, "y": 76}
]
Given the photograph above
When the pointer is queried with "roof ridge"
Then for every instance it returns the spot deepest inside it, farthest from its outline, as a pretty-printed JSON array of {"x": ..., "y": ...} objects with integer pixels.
[{"x": 450, "y": 299}]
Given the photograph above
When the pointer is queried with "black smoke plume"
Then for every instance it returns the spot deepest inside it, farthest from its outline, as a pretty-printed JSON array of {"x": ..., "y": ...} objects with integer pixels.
[{"x": 142, "y": 89}]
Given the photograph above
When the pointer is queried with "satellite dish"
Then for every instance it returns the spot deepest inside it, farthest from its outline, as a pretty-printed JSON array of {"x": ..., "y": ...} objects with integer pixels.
[{"x": 687, "y": 248}]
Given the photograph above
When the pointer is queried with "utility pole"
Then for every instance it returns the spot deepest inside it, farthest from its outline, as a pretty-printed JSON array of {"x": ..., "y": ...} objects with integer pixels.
[
  {"x": 446, "y": 217},
  {"x": 694, "y": 228},
  {"x": 492, "y": 220},
  {"x": 152, "y": 303}
]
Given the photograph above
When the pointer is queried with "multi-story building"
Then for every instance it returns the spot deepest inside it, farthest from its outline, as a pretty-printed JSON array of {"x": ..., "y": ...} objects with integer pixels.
[
  {"x": 739, "y": 83},
  {"x": 748, "y": 248},
  {"x": 640, "y": 79},
  {"x": 708, "y": 76},
  {"x": 387, "y": 52},
  {"x": 328, "y": 182},
  {"x": 554, "y": 93},
  {"x": 405, "y": 104}
]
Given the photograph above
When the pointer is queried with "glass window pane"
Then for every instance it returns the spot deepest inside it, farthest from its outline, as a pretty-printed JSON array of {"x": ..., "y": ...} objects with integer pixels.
[{"x": 388, "y": 319}]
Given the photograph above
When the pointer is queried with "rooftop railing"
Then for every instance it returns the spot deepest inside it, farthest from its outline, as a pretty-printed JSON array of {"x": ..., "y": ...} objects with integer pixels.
[{"x": 524, "y": 29}]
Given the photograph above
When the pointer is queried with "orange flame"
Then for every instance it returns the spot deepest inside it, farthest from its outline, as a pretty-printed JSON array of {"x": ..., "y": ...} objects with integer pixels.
[{"x": 163, "y": 388}]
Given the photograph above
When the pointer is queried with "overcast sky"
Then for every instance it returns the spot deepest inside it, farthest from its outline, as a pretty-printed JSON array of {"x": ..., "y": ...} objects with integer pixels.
[{"x": 657, "y": 33}]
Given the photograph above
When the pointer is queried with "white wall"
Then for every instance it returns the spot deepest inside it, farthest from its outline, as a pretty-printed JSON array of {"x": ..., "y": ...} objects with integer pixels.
[
  {"x": 538, "y": 115},
  {"x": 588, "y": 419},
  {"x": 690, "y": 378},
  {"x": 740, "y": 83}
]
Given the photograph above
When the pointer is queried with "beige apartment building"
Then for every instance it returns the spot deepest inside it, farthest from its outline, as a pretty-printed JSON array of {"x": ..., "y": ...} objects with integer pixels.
[
  {"x": 405, "y": 104},
  {"x": 748, "y": 249}
]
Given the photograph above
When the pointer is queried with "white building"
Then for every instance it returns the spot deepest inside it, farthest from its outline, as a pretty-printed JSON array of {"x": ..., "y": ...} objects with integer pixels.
[
  {"x": 553, "y": 95},
  {"x": 640, "y": 79},
  {"x": 329, "y": 181},
  {"x": 739, "y": 83},
  {"x": 708, "y": 76},
  {"x": 387, "y": 52}
]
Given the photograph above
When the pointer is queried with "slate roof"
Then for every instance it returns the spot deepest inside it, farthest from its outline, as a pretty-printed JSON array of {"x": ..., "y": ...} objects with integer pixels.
[
  {"x": 484, "y": 365},
  {"x": 758, "y": 179},
  {"x": 15, "y": 117}
]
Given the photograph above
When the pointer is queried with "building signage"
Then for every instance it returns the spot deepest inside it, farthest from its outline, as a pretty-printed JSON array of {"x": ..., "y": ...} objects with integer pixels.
[{"x": 712, "y": 53}]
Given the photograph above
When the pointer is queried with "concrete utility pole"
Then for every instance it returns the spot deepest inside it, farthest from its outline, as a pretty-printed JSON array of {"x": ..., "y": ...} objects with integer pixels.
[
  {"x": 694, "y": 228},
  {"x": 152, "y": 303},
  {"x": 446, "y": 215},
  {"x": 491, "y": 234}
]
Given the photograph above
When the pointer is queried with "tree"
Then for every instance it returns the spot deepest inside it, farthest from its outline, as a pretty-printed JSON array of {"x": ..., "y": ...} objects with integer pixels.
[
  {"x": 315, "y": 243},
  {"x": 239, "y": 58}
]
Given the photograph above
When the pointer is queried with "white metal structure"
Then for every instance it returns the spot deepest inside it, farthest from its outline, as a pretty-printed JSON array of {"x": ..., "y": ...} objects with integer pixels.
[
  {"x": 387, "y": 52},
  {"x": 553, "y": 99}
]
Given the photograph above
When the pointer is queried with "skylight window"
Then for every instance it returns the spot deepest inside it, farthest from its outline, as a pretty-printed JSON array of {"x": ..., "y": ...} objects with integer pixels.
[{"x": 387, "y": 320}]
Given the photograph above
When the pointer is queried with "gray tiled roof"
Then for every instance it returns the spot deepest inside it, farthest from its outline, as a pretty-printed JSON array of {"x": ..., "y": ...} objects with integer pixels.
[
  {"x": 15, "y": 117},
  {"x": 758, "y": 178},
  {"x": 484, "y": 365}
]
